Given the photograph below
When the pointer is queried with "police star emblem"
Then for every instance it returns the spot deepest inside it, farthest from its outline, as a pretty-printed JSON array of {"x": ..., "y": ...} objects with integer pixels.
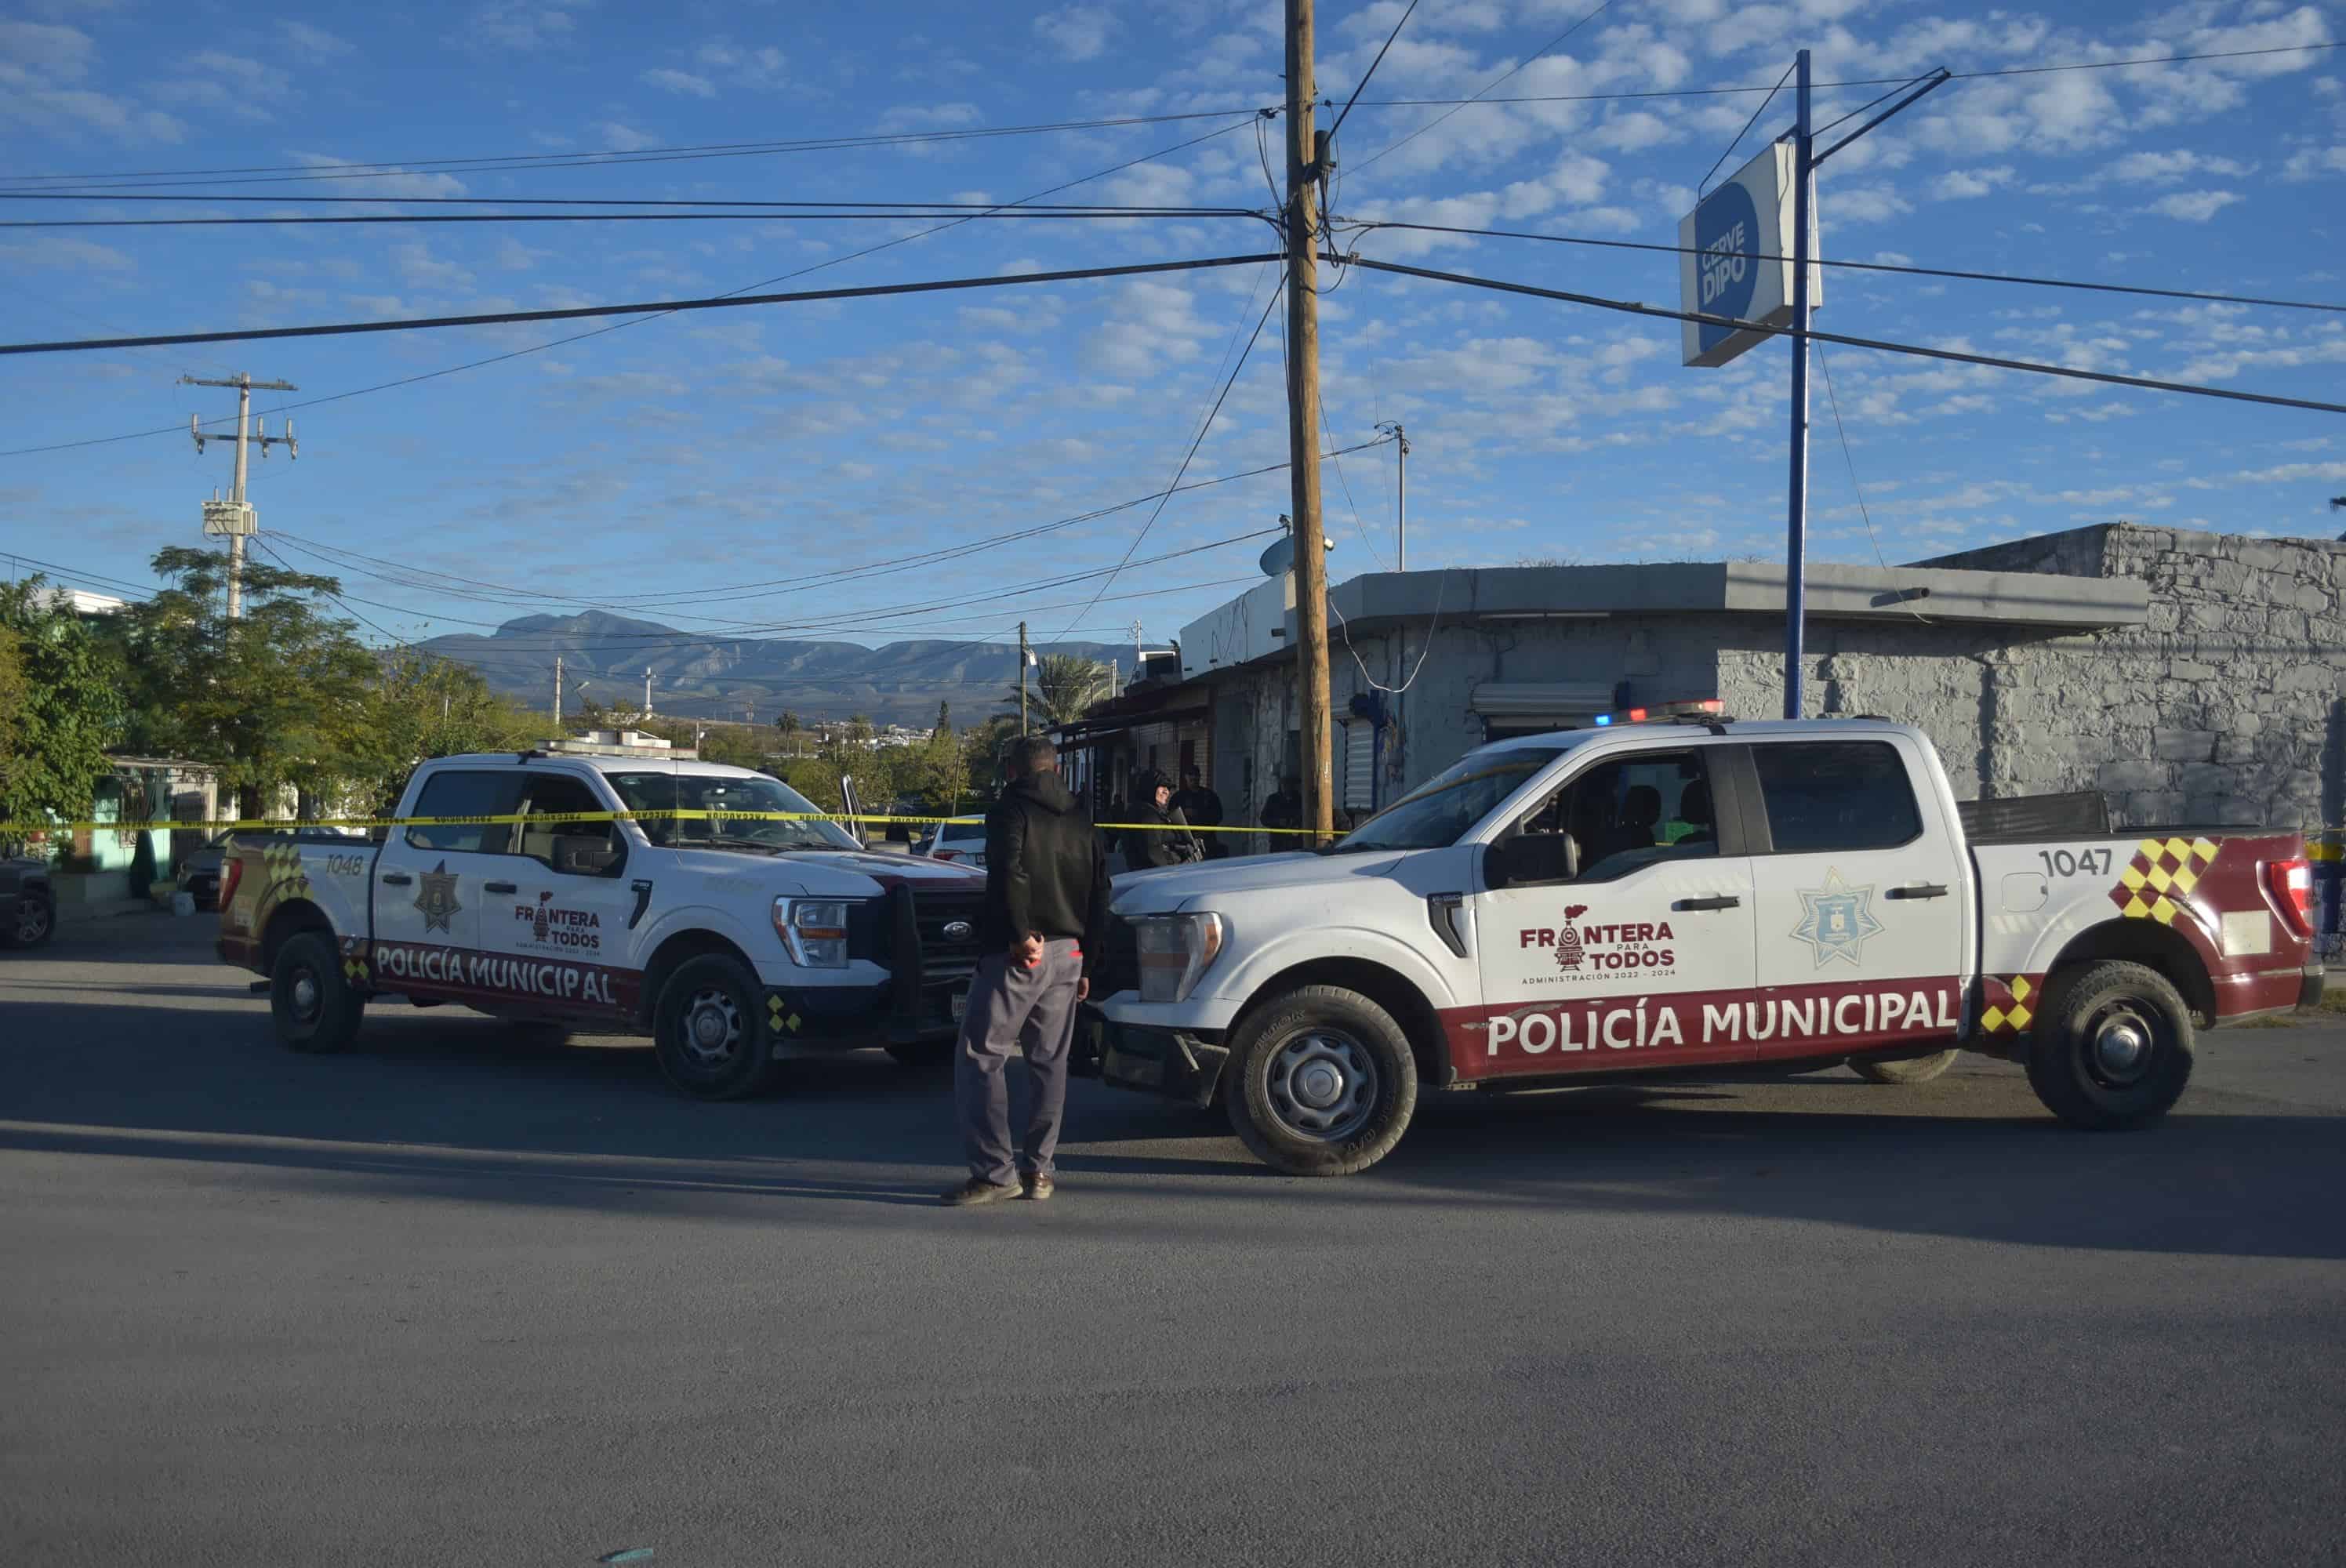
[
  {"x": 1836, "y": 919},
  {"x": 437, "y": 901}
]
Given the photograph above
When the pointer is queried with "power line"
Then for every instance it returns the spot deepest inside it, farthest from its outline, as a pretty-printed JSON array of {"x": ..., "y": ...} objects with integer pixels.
[
  {"x": 1989, "y": 362},
  {"x": 1368, "y": 75},
  {"x": 1852, "y": 82},
  {"x": 1364, "y": 224},
  {"x": 660, "y": 307},
  {"x": 497, "y": 359},
  {"x": 527, "y": 162},
  {"x": 666, "y": 603},
  {"x": 1603, "y": 7},
  {"x": 1746, "y": 127},
  {"x": 1194, "y": 443},
  {"x": 1126, "y": 214},
  {"x": 925, "y": 208}
]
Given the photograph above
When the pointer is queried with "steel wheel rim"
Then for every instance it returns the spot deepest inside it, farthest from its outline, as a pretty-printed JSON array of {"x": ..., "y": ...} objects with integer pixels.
[
  {"x": 303, "y": 996},
  {"x": 712, "y": 1028},
  {"x": 1323, "y": 1084},
  {"x": 2121, "y": 1044},
  {"x": 32, "y": 918}
]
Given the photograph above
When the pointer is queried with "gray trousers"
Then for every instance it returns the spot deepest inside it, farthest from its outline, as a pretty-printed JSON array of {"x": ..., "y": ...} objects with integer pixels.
[{"x": 1032, "y": 1011}]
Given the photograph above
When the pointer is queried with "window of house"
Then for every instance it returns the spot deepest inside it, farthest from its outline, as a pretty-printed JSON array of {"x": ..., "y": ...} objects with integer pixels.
[{"x": 1836, "y": 795}]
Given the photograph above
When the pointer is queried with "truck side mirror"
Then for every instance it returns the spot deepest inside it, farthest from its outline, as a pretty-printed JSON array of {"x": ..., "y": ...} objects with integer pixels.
[{"x": 1531, "y": 857}]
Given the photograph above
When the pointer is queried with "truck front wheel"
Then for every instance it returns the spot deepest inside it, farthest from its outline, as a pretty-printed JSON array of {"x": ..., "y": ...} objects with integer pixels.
[
  {"x": 708, "y": 1029},
  {"x": 1322, "y": 1082},
  {"x": 310, "y": 998},
  {"x": 2113, "y": 1047}
]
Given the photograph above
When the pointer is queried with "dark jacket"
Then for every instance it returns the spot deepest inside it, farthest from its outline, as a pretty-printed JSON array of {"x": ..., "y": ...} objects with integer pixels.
[
  {"x": 1045, "y": 870},
  {"x": 1166, "y": 842},
  {"x": 1200, "y": 806}
]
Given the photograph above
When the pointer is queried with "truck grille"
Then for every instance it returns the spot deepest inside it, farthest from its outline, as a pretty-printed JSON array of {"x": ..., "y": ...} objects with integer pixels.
[
  {"x": 946, "y": 960},
  {"x": 1117, "y": 969}
]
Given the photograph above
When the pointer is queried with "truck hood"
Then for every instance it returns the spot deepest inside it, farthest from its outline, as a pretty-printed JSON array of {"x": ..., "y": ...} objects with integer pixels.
[
  {"x": 1174, "y": 886},
  {"x": 826, "y": 873}
]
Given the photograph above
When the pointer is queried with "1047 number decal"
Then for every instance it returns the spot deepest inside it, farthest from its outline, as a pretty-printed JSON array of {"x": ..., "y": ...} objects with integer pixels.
[{"x": 2075, "y": 862}]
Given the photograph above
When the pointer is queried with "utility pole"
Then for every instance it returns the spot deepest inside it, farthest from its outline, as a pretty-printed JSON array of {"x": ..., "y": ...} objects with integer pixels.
[
  {"x": 233, "y": 517},
  {"x": 1139, "y": 656},
  {"x": 1796, "y": 537},
  {"x": 1400, "y": 499},
  {"x": 647, "y": 691},
  {"x": 1023, "y": 657},
  {"x": 557, "y": 694},
  {"x": 1308, "y": 157}
]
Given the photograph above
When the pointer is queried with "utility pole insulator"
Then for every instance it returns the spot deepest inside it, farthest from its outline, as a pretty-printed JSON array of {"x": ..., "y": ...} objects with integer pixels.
[{"x": 233, "y": 518}]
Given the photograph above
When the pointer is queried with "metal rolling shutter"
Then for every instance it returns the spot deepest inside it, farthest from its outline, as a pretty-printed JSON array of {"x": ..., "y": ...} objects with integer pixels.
[{"x": 1359, "y": 786}]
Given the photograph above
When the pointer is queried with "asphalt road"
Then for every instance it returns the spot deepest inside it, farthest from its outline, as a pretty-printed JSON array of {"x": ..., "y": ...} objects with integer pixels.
[{"x": 454, "y": 1299}]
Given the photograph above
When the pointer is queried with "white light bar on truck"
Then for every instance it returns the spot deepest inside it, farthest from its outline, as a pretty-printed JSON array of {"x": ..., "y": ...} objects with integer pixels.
[{"x": 1708, "y": 707}]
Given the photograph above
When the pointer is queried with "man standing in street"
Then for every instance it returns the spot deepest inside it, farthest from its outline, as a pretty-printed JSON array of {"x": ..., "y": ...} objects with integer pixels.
[
  {"x": 1045, "y": 921},
  {"x": 1200, "y": 808}
]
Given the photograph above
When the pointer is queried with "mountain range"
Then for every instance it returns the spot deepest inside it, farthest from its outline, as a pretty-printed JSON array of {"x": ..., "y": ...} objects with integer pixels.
[{"x": 604, "y": 657}]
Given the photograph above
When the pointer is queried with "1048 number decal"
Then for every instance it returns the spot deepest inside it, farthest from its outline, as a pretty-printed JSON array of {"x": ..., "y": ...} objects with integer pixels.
[{"x": 2075, "y": 862}]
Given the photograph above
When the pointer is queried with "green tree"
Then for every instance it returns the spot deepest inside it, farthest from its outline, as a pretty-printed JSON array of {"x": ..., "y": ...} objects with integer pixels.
[
  {"x": 981, "y": 751},
  {"x": 1061, "y": 688},
  {"x": 788, "y": 723},
  {"x": 281, "y": 696},
  {"x": 424, "y": 707},
  {"x": 60, "y": 706},
  {"x": 944, "y": 718}
]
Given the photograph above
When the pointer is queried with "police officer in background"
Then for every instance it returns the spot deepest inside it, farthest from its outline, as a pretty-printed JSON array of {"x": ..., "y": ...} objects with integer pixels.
[
  {"x": 1200, "y": 808},
  {"x": 1044, "y": 922},
  {"x": 1162, "y": 836}
]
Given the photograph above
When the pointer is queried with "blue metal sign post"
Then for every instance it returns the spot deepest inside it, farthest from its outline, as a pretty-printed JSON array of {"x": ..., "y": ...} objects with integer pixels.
[{"x": 1796, "y": 597}]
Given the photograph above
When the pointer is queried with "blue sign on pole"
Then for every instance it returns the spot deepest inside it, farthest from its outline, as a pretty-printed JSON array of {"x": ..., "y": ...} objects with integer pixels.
[{"x": 1727, "y": 237}]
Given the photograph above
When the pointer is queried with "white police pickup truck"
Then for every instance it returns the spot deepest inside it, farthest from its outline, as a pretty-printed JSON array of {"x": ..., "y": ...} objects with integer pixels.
[
  {"x": 737, "y": 939},
  {"x": 1702, "y": 897}
]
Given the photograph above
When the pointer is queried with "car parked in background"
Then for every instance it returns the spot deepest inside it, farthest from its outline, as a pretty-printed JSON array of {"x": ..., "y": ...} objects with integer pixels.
[
  {"x": 29, "y": 903},
  {"x": 199, "y": 873},
  {"x": 961, "y": 839}
]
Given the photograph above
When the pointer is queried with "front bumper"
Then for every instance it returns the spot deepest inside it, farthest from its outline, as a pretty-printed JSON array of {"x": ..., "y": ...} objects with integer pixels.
[
  {"x": 1176, "y": 1064},
  {"x": 848, "y": 1017}
]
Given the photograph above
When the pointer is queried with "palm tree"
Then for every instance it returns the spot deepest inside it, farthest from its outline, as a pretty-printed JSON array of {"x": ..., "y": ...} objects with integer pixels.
[{"x": 1064, "y": 685}]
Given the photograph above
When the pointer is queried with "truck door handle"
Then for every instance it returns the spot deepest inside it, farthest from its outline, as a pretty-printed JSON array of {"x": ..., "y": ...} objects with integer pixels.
[
  {"x": 397, "y": 879},
  {"x": 499, "y": 888},
  {"x": 1717, "y": 901},
  {"x": 1919, "y": 890}
]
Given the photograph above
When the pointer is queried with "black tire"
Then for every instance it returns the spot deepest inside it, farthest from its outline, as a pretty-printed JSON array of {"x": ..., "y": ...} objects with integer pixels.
[
  {"x": 708, "y": 1029},
  {"x": 1911, "y": 1070},
  {"x": 2113, "y": 1047},
  {"x": 32, "y": 922},
  {"x": 925, "y": 1055},
  {"x": 1353, "y": 1109},
  {"x": 310, "y": 999}
]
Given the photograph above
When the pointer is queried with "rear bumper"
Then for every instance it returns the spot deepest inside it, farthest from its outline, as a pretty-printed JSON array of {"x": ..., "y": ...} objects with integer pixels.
[
  {"x": 1173, "y": 1062},
  {"x": 2239, "y": 998}
]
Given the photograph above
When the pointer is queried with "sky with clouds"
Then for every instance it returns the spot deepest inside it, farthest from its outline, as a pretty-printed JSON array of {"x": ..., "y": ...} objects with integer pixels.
[{"x": 677, "y": 467}]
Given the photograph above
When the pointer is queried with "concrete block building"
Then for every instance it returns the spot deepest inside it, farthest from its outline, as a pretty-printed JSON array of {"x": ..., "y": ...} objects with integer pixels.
[{"x": 2189, "y": 676}]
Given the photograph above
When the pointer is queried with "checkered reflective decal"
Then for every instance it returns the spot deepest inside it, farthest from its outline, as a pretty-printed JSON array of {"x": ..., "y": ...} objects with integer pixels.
[{"x": 2161, "y": 867}]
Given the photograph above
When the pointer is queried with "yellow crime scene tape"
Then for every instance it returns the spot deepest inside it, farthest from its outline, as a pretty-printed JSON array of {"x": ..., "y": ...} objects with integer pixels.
[{"x": 255, "y": 825}]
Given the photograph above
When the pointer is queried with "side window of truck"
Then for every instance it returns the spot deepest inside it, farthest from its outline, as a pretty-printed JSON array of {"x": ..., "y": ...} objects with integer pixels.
[
  {"x": 577, "y": 848},
  {"x": 461, "y": 792},
  {"x": 1632, "y": 812},
  {"x": 1836, "y": 795}
]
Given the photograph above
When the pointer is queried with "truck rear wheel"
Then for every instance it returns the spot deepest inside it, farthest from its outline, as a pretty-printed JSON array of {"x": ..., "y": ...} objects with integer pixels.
[
  {"x": 1322, "y": 1082},
  {"x": 310, "y": 1000},
  {"x": 2113, "y": 1047},
  {"x": 708, "y": 1028},
  {"x": 1911, "y": 1070},
  {"x": 32, "y": 920}
]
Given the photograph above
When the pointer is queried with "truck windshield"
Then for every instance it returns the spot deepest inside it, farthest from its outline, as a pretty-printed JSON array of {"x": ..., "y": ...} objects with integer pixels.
[
  {"x": 723, "y": 796},
  {"x": 1439, "y": 811}
]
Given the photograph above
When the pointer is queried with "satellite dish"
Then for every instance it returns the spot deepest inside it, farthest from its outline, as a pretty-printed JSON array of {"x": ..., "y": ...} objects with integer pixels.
[{"x": 1278, "y": 559}]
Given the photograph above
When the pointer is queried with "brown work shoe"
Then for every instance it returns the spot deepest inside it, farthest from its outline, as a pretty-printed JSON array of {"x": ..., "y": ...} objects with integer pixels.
[
  {"x": 976, "y": 1191},
  {"x": 1038, "y": 1186}
]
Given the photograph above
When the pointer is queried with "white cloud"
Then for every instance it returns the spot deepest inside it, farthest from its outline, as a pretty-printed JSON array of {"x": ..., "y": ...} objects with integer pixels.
[
  {"x": 60, "y": 250},
  {"x": 314, "y": 46},
  {"x": 419, "y": 269},
  {"x": 2315, "y": 160},
  {"x": 669, "y": 79},
  {"x": 1958, "y": 184},
  {"x": 625, "y": 139},
  {"x": 2171, "y": 167},
  {"x": 41, "y": 72},
  {"x": 215, "y": 82},
  {"x": 1076, "y": 32},
  {"x": 515, "y": 257},
  {"x": 1860, "y": 204},
  {"x": 1634, "y": 131},
  {"x": 2194, "y": 205},
  {"x": 524, "y": 25},
  {"x": 386, "y": 184}
]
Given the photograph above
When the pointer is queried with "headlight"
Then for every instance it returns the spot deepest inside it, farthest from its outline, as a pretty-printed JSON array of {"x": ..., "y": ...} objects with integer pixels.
[
  {"x": 1175, "y": 950},
  {"x": 814, "y": 930}
]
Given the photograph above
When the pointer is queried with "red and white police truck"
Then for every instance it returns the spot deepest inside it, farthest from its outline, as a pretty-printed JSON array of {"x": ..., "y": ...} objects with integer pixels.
[
  {"x": 1695, "y": 895},
  {"x": 736, "y": 935}
]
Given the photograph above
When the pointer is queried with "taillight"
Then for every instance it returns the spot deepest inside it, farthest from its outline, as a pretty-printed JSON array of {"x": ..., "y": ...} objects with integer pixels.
[
  {"x": 943, "y": 854},
  {"x": 231, "y": 873},
  {"x": 2291, "y": 882}
]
